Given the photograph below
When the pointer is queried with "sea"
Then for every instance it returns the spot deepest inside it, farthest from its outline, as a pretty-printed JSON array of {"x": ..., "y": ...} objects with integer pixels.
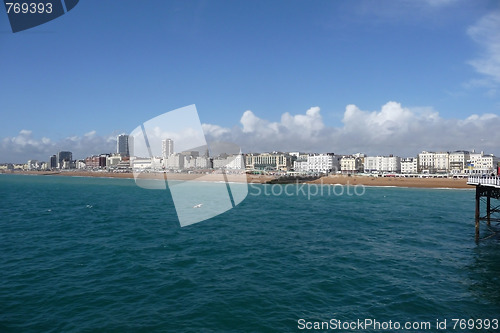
[{"x": 82, "y": 254}]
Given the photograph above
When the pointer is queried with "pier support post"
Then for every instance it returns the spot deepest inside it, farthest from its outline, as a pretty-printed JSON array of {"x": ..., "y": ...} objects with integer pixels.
[
  {"x": 478, "y": 198},
  {"x": 488, "y": 207}
]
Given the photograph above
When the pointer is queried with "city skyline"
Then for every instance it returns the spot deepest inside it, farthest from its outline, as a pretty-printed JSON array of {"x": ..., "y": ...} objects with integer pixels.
[
  {"x": 454, "y": 162},
  {"x": 314, "y": 76},
  {"x": 167, "y": 145}
]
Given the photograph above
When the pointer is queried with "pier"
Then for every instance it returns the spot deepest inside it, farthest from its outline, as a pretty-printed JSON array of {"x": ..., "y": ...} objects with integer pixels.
[{"x": 486, "y": 189}]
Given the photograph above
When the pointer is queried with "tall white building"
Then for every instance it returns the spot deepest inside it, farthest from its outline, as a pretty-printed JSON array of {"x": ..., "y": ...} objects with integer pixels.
[{"x": 167, "y": 148}]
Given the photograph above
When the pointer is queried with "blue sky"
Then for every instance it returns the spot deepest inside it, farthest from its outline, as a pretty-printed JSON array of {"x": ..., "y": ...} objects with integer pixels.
[{"x": 378, "y": 77}]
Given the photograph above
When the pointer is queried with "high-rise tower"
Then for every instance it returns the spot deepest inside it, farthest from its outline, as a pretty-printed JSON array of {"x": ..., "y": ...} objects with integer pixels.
[
  {"x": 167, "y": 147},
  {"x": 122, "y": 146}
]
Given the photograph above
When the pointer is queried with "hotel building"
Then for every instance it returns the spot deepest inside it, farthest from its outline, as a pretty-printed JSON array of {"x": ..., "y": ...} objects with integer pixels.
[{"x": 268, "y": 161}]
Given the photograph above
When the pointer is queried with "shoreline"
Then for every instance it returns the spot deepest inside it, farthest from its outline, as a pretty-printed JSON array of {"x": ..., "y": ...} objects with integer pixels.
[
  {"x": 436, "y": 183},
  {"x": 211, "y": 177}
]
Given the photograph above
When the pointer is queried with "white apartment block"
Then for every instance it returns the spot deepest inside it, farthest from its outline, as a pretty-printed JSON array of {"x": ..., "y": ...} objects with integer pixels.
[
  {"x": 268, "y": 161},
  {"x": 431, "y": 162},
  {"x": 300, "y": 166},
  {"x": 351, "y": 164},
  {"x": 167, "y": 148},
  {"x": 409, "y": 165},
  {"x": 203, "y": 162},
  {"x": 479, "y": 163},
  {"x": 458, "y": 162},
  {"x": 441, "y": 162},
  {"x": 231, "y": 162},
  {"x": 323, "y": 163},
  {"x": 140, "y": 163},
  {"x": 175, "y": 161},
  {"x": 154, "y": 163},
  {"x": 33, "y": 165},
  {"x": 382, "y": 164},
  {"x": 113, "y": 160},
  {"x": 236, "y": 162},
  {"x": 189, "y": 162},
  {"x": 426, "y": 162}
]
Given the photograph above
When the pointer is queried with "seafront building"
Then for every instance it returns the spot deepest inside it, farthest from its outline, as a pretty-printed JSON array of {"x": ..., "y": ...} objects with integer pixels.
[
  {"x": 323, "y": 163},
  {"x": 479, "y": 163},
  {"x": 64, "y": 159},
  {"x": 33, "y": 165},
  {"x": 52, "y": 162},
  {"x": 122, "y": 145},
  {"x": 175, "y": 161},
  {"x": 432, "y": 162},
  {"x": 234, "y": 162},
  {"x": 381, "y": 164},
  {"x": 351, "y": 164},
  {"x": 96, "y": 161},
  {"x": 275, "y": 161},
  {"x": 167, "y": 148},
  {"x": 409, "y": 165},
  {"x": 458, "y": 162}
]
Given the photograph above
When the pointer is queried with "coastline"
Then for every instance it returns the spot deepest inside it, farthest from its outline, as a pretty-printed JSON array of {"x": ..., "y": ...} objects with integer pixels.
[
  {"x": 212, "y": 177},
  {"x": 436, "y": 183}
]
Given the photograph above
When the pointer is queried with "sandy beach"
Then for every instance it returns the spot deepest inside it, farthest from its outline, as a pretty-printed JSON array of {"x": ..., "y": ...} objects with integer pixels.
[
  {"x": 262, "y": 179},
  {"x": 395, "y": 181}
]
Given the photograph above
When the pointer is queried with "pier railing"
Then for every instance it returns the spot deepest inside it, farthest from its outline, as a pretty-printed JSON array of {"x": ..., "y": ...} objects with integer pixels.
[{"x": 479, "y": 180}]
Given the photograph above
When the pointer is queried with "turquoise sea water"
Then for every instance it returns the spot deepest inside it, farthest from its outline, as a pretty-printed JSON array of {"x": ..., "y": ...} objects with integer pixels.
[{"x": 102, "y": 255}]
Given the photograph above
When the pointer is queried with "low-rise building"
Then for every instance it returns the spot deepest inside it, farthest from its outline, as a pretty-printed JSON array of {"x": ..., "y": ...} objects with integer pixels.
[
  {"x": 409, "y": 165},
  {"x": 458, "y": 162},
  {"x": 426, "y": 162},
  {"x": 113, "y": 161},
  {"x": 441, "y": 162},
  {"x": 175, "y": 162},
  {"x": 268, "y": 161},
  {"x": 381, "y": 164},
  {"x": 479, "y": 163},
  {"x": 351, "y": 164},
  {"x": 323, "y": 163},
  {"x": 33, "y": 165}
]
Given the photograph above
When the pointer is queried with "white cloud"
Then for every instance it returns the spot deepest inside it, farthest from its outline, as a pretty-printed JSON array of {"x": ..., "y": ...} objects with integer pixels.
[
  {"x": 486, "y": 33},
  {"x": 214, "y": 130},
  {"x": 24, "y": 146},
  {"x": 393, "y": 129}
]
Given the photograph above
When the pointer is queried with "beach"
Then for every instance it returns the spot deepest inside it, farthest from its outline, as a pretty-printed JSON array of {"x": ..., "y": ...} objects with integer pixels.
[
  {"x": 262, "y": 179},
  {"x": 395, "y": 181}
]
